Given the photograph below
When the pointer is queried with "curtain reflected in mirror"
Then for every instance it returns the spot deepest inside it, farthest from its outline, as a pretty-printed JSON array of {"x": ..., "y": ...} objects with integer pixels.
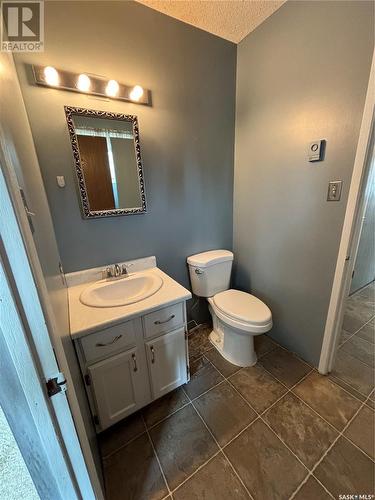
[{"x": 108, "y": 162}]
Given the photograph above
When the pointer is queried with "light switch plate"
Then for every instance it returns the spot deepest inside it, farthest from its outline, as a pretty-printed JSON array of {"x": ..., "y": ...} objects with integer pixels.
[{"x": 334, "y": 190}]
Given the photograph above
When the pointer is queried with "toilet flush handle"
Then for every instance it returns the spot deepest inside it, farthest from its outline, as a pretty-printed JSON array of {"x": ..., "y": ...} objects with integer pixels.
[{"x": 198, "y": 271}]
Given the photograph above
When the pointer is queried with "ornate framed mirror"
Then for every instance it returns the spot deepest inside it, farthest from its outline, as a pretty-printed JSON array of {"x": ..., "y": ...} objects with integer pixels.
[{"x": 108, "y": 162}]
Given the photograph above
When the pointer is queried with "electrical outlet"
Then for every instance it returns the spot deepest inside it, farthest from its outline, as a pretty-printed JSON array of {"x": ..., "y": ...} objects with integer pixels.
[{"x": 334, "y": 190}]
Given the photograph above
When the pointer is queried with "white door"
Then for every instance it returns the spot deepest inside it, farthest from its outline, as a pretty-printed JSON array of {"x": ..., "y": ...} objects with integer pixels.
[
  {"x": 23, "y": 326},
  {"x": 167, "y": 362},
  {"x": 44, "y": 325},
  {"x": 119, "y": 385}
]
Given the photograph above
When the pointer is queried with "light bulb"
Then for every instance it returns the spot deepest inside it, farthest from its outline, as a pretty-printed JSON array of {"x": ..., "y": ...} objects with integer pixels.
[
  {"x": 51, "y": 76},
  {"x": 112, "y": 88},
  {"x": 136, "y": 93},
  {"x": 83, "y": 83}
]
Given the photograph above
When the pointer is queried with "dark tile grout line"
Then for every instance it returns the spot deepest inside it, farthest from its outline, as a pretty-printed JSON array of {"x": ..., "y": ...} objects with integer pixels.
[
  {"x": 341, "y": 435},
  {"x": 105, "y": 457},
  {"x": 332, "y": 426},
  {"x": 358, "y": 292},
  {"x": 333, "y": 377},
  {"x": 357, "y": 359},
  {"x": 356, "y": 332},
  {"x": 146, "y": 428},
  {"x": 221, "y": 450},
  {"x": 365, "y": 396},
  {"x": 289, "y": 390},
  {"x": 191, "y": 402},
  {"x": 197, "y": 327},
  {"x": 216, "y": 385},
  {"x": 259, "y": 416},
  {"x": 351, "y": 335},
  {"x": 157, "y": 458},
  {"x": 169, "y": 414},
  {"x": 109, "y": 455},
  {"x": 361, "y": 403}
]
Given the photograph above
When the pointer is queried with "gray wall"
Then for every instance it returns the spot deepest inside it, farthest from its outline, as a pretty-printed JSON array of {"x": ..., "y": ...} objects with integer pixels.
[
  {"x": 16, "y": 133},
  {"x": 301, "y": 76},
  {"x": 187, "y": 136}
]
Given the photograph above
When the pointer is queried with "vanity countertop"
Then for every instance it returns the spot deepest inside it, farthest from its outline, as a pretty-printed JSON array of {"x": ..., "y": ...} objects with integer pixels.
[{"x": 85, "y": 319}]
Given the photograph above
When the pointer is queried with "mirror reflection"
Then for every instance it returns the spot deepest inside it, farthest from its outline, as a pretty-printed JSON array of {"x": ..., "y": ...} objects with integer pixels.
[{"x": 108, "y": 163}]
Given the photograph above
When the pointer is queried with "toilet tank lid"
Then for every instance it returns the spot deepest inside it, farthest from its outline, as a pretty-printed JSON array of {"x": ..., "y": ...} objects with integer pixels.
[{"x": 206, "y": 259}]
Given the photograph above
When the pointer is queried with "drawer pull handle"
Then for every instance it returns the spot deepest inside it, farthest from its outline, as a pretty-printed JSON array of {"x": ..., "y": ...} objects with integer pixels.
[
  {"x": 152, "y": 354},
  {"x": 113, "y": 341},
  {"x": 160, "y": 322},
  {"x": 135, "y": 368}
]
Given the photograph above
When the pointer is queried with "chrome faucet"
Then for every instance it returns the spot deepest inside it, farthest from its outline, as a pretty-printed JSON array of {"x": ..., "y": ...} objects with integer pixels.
[{"x": 116, "y": 271}]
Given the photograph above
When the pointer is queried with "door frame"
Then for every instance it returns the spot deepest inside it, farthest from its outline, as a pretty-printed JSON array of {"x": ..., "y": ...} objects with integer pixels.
[
  {"x": 351, "y": 230},
  {"x": 24, "y": 270}
]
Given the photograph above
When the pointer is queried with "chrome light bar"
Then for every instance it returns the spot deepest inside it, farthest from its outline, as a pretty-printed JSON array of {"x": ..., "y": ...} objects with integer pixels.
[{"x": 86, "y": 83}]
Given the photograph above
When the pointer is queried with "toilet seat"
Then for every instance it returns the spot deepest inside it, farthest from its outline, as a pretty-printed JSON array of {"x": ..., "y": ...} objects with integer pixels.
[{"x": 242, "y": 310}]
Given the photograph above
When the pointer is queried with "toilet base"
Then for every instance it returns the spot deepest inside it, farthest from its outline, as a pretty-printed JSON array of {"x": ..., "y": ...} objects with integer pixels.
[{"x": 235, "y": 346}]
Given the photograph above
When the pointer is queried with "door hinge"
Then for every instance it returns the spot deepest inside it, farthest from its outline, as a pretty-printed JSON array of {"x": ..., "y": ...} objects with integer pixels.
[
  {"x": 55, "y": 385},
  {"x": 96, "y": 419},
  {"x": 29, "y": 214},
  {"x": 62, "y": 274},
  {"x": 87, "y": 379}
]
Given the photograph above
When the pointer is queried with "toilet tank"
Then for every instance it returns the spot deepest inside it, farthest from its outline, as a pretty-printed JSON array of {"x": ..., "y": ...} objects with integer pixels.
[{"x": 210, "y": 272}]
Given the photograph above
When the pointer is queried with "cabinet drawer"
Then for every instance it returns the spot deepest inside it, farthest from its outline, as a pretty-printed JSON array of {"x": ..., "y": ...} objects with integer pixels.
[
  {"x": 114, "y": 339},
  {"x": 163, "y": 320}
]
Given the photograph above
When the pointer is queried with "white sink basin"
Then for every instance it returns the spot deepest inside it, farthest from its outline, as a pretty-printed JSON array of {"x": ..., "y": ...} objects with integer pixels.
[{"x": 121, "y": 292}]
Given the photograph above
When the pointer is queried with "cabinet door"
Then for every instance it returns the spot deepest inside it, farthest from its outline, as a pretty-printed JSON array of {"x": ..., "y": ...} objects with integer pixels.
[
  {"x": 119, "y": 385},
  {"x": 167, "y": 362}
]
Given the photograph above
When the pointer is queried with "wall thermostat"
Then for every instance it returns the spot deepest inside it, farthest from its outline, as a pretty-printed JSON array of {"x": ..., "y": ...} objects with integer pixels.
[
  {"x": 60, "y": 179},
  {"x": 316, "y": 150}
]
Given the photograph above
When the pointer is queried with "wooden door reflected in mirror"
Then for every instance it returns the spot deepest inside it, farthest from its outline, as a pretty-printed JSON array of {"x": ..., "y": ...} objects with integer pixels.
[{"x": 108, "y": 162}]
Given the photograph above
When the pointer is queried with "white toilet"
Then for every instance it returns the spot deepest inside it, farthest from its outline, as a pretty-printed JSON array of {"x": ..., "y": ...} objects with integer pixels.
[{"x": 237, "y": 316}]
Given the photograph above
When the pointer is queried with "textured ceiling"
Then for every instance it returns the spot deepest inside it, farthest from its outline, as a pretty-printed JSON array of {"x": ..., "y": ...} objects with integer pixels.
[{"x": 229, "y": 19}]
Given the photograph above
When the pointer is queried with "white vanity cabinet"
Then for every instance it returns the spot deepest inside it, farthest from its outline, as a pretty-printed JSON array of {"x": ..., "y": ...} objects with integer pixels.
[{"x": 128, "y": 365}]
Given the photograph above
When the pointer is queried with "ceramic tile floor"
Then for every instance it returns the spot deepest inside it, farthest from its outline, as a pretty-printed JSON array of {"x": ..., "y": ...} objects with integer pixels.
[
  {"x": 355, "y": 359},
  {"x": 278, "y": 430}
]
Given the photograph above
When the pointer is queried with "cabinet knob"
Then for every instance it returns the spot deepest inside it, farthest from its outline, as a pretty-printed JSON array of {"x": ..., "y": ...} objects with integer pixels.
[{"x": 152, "y": 354}]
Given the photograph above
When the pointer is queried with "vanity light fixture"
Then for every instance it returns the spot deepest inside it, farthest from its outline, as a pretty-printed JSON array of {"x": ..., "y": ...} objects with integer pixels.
[
  {"x": 112, "y": 88},
  {"x": 136, "y": 93},
  {"x": 83, "y": 83},
  {"x": 49, "y": 76}
]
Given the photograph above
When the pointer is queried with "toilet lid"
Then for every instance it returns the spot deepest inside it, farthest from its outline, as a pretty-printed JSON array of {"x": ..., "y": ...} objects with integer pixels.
[{"x": 243, "y": 306}]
